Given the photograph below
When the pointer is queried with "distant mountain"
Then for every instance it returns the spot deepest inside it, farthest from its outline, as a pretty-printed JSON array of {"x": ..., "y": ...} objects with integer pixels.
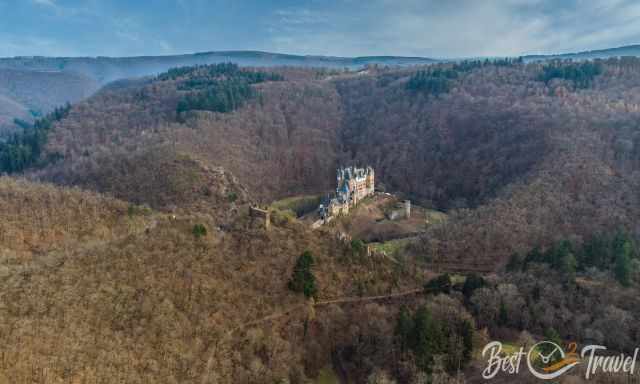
[
  {"x": 107, "y": 69},
  {"x": 44, "y": 81},
  {"x": 88, "y": 74},
  {"x": 27, "y": 94},
  {"x": 628, "y": 50}
]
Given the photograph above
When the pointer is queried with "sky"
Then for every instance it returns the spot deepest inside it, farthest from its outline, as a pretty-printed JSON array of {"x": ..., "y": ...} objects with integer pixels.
[{"x": 428, "y": 28}]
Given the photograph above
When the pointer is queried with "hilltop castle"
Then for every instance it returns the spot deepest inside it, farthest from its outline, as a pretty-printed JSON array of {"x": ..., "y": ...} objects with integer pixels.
[{"x": 354, "y": 184}]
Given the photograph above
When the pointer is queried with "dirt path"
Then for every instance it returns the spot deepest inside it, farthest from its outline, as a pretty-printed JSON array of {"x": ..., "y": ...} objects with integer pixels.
[
  {"x": 275, "y": 316},
  {"x": 347, "y": 300},
  {"x": 344, "y": 300}
]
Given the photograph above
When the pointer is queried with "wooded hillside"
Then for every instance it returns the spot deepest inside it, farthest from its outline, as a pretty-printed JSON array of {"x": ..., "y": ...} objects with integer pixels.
[
  {"x": 169, "y": 279},
  {"x": 531, "y": 152}
]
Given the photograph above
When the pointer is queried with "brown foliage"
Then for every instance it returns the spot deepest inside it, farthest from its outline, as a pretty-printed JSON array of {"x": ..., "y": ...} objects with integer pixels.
[{"x": 151, "y": 302}]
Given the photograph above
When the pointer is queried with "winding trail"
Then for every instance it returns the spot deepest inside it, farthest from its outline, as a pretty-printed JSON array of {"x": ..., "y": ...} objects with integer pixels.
[
  {"x": 324, "y": 303},
  {"x": 347, "y": 300},
  {"x": 213, "y": 349}
]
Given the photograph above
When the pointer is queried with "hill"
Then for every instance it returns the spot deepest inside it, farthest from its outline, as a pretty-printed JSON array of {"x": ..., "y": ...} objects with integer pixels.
[
  {"x": 288, "y": 129},
  {"x": 535, "y": 165},
  {"x": 499, "y": 138},
  {"x": 627, "y": 50},
  {"x": 163, "y": 180},
  {"x": 39, "y": 219},
  {"x": 9, "y": 111},
  {"x": 28, "y": 94},
  {"x": 40, "y": 78},
  {"x": 107, "y": 69},
  {"x": 36, "y": 85},
  {"x": 157, "y": 303}
]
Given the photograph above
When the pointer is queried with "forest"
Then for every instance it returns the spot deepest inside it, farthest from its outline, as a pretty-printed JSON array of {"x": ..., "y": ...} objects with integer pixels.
[
  {"x": 217, "y": 87},
  {"x": 534, "y": 164},
  {"x": 23, "y": 149}
]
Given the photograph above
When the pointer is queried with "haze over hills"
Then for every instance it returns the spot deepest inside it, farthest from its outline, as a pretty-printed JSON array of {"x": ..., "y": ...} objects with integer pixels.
[
  {"x": 28, "y": 94},
  {"x": 628, "y": 50},
  {"x": 82, "y": 76},
  {"x": 106, "y": 69},
  {"x": 86, "y": 74}
]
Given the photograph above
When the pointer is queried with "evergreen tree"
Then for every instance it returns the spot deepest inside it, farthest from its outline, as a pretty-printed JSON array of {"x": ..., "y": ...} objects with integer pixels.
[
  {"x": 471, "y": 283},
  {"x": 199, "y": 230},
  {"x": 217, "y": 88},
  {"x": 595, "y": 253},
  {"x": 466, "y": 331},
  {"x": 569, "y": 265},
  {"x": 303, "y": 279},
  {"x": 22, "y": 150},
  {"x": 404, "y": 328},
  {"x": 440, "y": 284},
  {"x": 514, "y": 263},
  {"x": 581, "y": 74},
  {"x": 533, "y": 256},
  {"x": 623, "y": 248},
  {"x": 427, "y": 339},
  {"x": 503, "y": 314}
]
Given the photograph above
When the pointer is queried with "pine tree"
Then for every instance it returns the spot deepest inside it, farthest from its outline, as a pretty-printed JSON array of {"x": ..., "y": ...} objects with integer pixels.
[
  {"x": 303, "y": 280},
  {"x": 427, "y": 339},
  {"x": 471, "y": 283},
  {"x": 515, "y": 263},
  {"x": 569, "y": 266},
  {"x": 623, "y": 252},
  {"x": 503, "y": 315},
  {"x": 440, "y": 284},
  {"x": 466, "y": 330},
  {"x": 404, "y": 328}
]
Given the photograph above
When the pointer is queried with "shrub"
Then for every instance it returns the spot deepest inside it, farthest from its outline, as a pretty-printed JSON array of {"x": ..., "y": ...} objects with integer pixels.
[
  {"x": 471, "y": 283},
  {"x": 199, "y": 230},
  {"x": 138, "y": 210},
  {"x": 357, "y": 246},
  {"x": 282, "y": 218},
  {"x": 440, "y": 284}
]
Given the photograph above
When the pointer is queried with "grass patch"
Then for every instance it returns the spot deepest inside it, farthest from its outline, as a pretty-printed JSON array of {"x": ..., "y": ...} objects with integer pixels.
[
  {"x": 391, "y": 247},
  {"x": 300, "y": 205},
  {"x": 138, "y": 210},
  {"x": 434, "y": 217},
  {"x": 282, "y": 217},
  {"x": 458, "y": 279},
  {"x": 327, "y": 376}
]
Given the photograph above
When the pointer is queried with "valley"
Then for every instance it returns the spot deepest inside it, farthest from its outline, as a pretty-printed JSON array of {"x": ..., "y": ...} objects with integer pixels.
[{"x": 129, "y": 251}]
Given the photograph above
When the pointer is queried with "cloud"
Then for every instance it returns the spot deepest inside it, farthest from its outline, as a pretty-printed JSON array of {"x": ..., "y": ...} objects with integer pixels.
[
  {"x": 166, "y": 47},
  {"x": 454, "y": 28},
  {"x": 47, "y": 3},
  {"x": 436, "y": 28},
  {"x": 28, "y": 45}
]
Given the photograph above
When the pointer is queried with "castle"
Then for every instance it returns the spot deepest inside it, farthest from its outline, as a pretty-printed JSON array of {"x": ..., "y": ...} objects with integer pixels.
[{"x": 354, "y": 184}]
